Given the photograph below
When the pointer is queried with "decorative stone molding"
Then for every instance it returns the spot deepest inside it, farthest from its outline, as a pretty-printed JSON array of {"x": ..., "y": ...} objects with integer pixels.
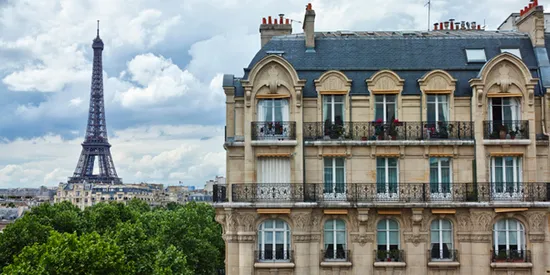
[
  {"x": 362, "y": 238},
  {"x": 247, "y": 222},
  {"x": 464, "y": 237},
  {"x": 302, "y": 222},
  {"x": 415, "y": 239},
  {"x": 536, "y": 237},
  {"x": 234, "y": 238},
  {"x": 316, "y": 222},
  {"x": 302, "y": 238},
  {"x": 231, "y": 221},
  {"x": 536, "y": 220},
  {"x": 481, "y": 238},
  {"x": 385, "y": 82},
  {"x": 482, "y": 220},
  {"x": 220, "y": 218},
  {"x": 463, "y": 221},
  {"x": 417, "y": 216}
]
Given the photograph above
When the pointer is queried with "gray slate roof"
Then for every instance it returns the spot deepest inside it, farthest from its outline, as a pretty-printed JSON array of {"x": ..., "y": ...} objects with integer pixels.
[{"x": 410, "y": 54}]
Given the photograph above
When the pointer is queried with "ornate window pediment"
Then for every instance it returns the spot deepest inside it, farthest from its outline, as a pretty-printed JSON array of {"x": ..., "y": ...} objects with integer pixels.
[{"x": 385, "y": 82}]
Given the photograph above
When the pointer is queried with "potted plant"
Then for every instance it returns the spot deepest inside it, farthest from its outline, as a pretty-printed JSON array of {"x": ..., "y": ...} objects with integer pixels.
[
  {"x": 503, "y": 131},
  {"x": 513, "y": 134},
  {"x": 382, "y": 255},
  {"x": 378, "y": 128},
  {"x": 443, "y": 132},
  {"x": 515, "y": 256},
  {"x": 394, "y": 255},
  {"x": 393, "y": 128},
  {"x": 501, "y": 256}
]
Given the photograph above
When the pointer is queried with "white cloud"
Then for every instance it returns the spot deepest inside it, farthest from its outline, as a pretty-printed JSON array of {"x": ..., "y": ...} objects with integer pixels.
[{"x": 163, "y": 154}]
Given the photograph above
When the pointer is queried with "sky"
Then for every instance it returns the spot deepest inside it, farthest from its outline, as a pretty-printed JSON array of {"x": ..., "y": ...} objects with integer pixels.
[{"x": 162, "y": 65}]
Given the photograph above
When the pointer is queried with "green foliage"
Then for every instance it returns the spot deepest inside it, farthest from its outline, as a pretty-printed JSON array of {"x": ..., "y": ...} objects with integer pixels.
[
  {"x": 62, "y": 239},
  {"x": 66, "y": 253}
]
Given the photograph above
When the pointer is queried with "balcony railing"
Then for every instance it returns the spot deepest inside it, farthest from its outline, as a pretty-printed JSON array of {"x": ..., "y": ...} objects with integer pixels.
[
  {"x": 277, "y": 255},
  {"x": 278, "y": 130},
  {"x": 219, "y": 193},
  {"x": 518, "y": 256},
  {"x": 437, "y": 255},
  {"x": 386, "y": 192},
  {"x": 338, "y": 255},
  {"x": 506, "y": 129},
  {"x": 393, "y": 255},
  {"x": 451, "y": 130}
]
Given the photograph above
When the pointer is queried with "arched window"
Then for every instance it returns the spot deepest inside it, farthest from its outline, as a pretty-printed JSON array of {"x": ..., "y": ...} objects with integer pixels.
[
  {"x": 509, "y": 240},
  {"x": 387, "y": 238},
  {"x": 335, "y": 240},
  {"x": 442, "y": 240},
  {"x": 274, "y": 241}
]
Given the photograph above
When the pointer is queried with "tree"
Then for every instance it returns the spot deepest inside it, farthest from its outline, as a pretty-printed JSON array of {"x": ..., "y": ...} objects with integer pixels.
[
  {"x": 171, "y": 262},
  {"x": 25, "y": 231},
  {"x": 66, "y": 253}
]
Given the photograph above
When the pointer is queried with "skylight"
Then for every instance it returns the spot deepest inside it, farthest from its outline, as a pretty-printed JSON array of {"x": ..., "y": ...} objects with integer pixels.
[
  {"x": 512, "y": 51},
  {"x": 476, "y": 55}
]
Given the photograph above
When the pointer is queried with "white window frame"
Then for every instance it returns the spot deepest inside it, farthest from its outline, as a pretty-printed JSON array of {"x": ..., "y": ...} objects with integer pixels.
[
  {"x": 514, "y": 107},
  {"x": 517, "y": 171},
  {"x": 384, "y": 104},
  {"x": 388, "y": 230},
  {"x": 520, "y": 230},
  {"x": 334, "y": 241},
  {"x": 331, "y": 102},
  {"x": 387, "y": 194},
  {"x": 474, "y": 55},
  {"x": 262, "y": 241},
  {"x": 334, "y": 194},
  {"x": 514, "y": 51},
  {"x": 439, "y": 232},
  {"x": 436, "y": 103},
  {"x": 440, "y": 194}
]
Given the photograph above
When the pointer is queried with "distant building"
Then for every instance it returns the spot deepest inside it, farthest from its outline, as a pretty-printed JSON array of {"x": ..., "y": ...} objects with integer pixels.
[
  {"x": 9, "y": 215},
  {"x": 510, "y": 23},
  {"x": 219, "y": 180}
]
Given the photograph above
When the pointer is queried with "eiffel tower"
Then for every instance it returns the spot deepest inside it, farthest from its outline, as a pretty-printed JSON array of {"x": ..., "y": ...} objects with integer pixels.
[{"x": 96, "y": 146}]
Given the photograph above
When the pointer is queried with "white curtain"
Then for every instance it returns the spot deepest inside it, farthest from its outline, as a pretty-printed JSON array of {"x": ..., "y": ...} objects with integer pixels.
[
  {"x": 284, "y": 109},
  {"x": 261, "y": 110},
  {"x": 273, "y": 170}
]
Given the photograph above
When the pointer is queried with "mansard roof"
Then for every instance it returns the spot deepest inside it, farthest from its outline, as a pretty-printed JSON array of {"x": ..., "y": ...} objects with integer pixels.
[{"x": 359, "y": 55}]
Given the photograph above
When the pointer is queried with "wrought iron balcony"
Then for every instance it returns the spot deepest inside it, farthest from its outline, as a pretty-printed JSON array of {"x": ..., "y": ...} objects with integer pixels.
[
  {"x": 397, "y": 130},
  {"x": 438, "y": 255},
  {"x": 518, "y": 256},
  {"x": 393, "y": 255},
  {"x": 338, "y": 255},
  {"x": 276, "y": 255},
  {"x": 385, "y": 192},
  {"x": 219, "y": 193},
  {"x": 506, "y": 129},
  {"x": 269, "y": 130}
]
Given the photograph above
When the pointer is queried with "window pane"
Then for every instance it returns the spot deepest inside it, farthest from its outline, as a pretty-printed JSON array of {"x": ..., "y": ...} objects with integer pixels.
[
  {"x": 329, "y": 237},
  {"x": 435, "y": 237},
  {"x": 381, "y": 237},
  {"x": 280, "y": 224},
  {"x": 475, "y": 55},
  {"x": 269, "y": 237},
  {"x": 393, "y": 224},
  {"x": 279, "y": 237},
  {"x": 328, "y": 225},
  {"x": 381, "y": 225},
  {"x": 431, "y": 112},
  {"x": 515, "y": 52},
  {"x": 340, "y": 237},
  {"x": 435, "y": 225},
  {"x": 392, "y": 162},
  {"x": 445, "y": 224},
  {"x": 447, "y": 236},
  {"x": 340, "y": 225},
  {"x": 394, "y": 237}
]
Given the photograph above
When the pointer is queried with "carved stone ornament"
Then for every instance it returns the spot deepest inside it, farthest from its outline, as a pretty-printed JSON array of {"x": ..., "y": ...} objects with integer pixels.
[
  {"x": 464, "y": 222},
  {"x": 234, "y": 238},
  {"x": 536, "y": 221},
  {"x": 316, "y": 222},
  {"x": 301, "y": 222},
  {"x": 231, "y": 220},
  {"x": 481, "y": 238},
  {"x": 481, "y": 220},
  {"x": 298, "y": 97},
  {"x": 246, "y": 222},
  {"x": 464, "y": 237},
  {"x": 248, "y": 97},
  {"x": 220, "y": 219},
  {"x": 273, "y": 79},
  {"x": 362, "y": 238},
  {"x": 536, "y": 237},
  {"x": 479, "y": 92},
  {"x": 504, "y": 80},
  {"x": 416, "y": 239},
  {"x": 416, "y": 217}
]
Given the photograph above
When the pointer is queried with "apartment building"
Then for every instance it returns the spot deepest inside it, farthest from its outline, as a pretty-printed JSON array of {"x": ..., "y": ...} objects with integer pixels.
[{"x": 389, "y": 152}]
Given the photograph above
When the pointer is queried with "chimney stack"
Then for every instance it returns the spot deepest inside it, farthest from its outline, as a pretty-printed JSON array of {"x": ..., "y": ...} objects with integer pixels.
[
  {"x": 270, "y": 28},
  {"x": 531, "y": 21},
  {"x": 309, "y": 28}
]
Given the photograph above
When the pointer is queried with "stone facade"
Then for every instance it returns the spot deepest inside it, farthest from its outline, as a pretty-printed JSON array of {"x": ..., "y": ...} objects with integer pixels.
[{"x": 284, "y": 227}]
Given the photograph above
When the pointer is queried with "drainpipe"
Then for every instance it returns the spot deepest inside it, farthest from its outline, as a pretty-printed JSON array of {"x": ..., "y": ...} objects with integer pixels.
[
  {"x": 472, "y": 124},
  {"x": 543, "y": 107},
  {"x": 303, "y": 151}
]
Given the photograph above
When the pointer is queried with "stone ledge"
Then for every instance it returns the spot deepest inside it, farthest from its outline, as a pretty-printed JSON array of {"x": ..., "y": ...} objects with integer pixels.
[
  {"x": 342, "y": 204},
  {"x": 390, "y": 264},
  {"x": 511, "y": 265},
  {"x": 336, "y": 264},
  {"x": 506, "y": 142},
  {"x": 274, "y": 265},
  {"x": 274, "y": 143},
  {"x": 443, "y": 264}
]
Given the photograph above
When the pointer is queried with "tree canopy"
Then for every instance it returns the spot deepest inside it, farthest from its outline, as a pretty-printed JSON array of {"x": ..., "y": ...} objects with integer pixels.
[{"x": 113, "y": 238}]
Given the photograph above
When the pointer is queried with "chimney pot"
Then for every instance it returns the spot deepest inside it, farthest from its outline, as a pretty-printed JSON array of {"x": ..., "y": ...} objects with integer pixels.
[
  {"x": 281, "y": 18},
  {"x": 308, "y": 7},
  {"x": 269, "y": 20},
  {"x": 287, "y": 21},
  {"x": 435, "y": 27},
  {"x": 479, "y": 27},
  {"x": 440, "y": 25},
  {"x": 535, "y": 3},
  {"x": 264, "y": 21},
  {"x": 446, "y": 25}
]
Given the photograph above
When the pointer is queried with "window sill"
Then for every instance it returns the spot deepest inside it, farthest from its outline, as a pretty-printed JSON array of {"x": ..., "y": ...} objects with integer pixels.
[
  {"x": 335, "y": 264},
  {"x": 274, "y": 143},
  {"x": 506, "y": 142},
  {"x": 443, "y": 264},
  {"x": 511, "y": 265},
  {"x": 274, "y": 265},
  {"x": 390, "y": 264}
]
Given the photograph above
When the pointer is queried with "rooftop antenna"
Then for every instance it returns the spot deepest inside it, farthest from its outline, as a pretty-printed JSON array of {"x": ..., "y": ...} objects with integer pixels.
[
  {"x": 429, "y": 4},
  {"x": 97, "y": 28}
]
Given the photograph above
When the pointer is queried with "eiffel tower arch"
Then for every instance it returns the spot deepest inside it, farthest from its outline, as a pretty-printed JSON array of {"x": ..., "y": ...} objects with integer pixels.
[{"x": 96, "y": 149}]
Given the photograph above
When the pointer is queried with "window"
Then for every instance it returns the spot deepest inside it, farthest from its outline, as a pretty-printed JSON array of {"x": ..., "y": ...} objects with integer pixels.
[
  {"x": 333, "y": 109},
  {"x": 335, "y": 240},
  {"x": 385, "y": 108},
  {"x": 506, "y": 175},
  {"x": 438, "y": 108},
  {"x": 387, "y": 239},
  {"x": 335, "y": 178},
  {"x": 509, "y": 239},
  {"x": 387, "y": 177},
  {"x": 442, "y": 240},
  {"x": 273, "y": 176},
  {"x": 273, "y": 116},
  {"x": 274, "y": 241},
  {"x": 440, "y": 178},
  {"x": 476, "y": 55},
  {"x": 515, "y": 52},
  {"x": 505, "y": 109}
]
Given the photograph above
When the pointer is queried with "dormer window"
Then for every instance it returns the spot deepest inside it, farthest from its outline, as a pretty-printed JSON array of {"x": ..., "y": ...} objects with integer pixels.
[
  {"x": 512, "y": 51},
  {"x": 476, "y": 55}
]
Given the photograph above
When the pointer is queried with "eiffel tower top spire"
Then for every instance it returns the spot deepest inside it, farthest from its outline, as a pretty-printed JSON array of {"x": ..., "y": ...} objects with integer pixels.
[{"x": 96, "y": 146}]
